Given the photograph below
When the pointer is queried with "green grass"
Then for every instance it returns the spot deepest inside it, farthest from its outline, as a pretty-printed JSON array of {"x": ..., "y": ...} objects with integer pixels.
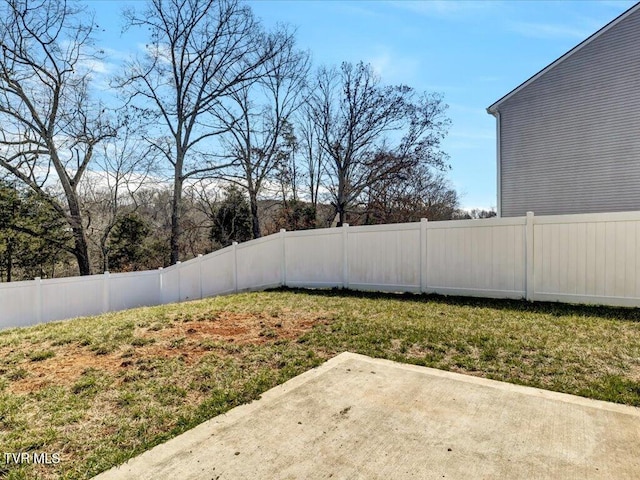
[
  {"x": 101, "y": 390},
  {"x": 40, "y": 355}
]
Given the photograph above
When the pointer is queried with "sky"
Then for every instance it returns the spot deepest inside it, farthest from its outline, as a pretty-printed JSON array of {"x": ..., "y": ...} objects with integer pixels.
[{"x": 473, "y": 52}]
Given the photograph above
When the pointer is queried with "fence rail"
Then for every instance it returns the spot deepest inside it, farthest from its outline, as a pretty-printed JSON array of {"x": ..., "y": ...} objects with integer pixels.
[{"x": 590, "y": 258}]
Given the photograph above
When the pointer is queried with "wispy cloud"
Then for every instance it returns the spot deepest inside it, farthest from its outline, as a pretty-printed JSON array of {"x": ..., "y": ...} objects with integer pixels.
[
  {"x": 354, "y": 9},
  {"x": 103, "y": 66},
  {"x": 98, "y": 67},
  {"x": 550, "y": 30},
  {"x": 393, "y": 67},
  {"x": 443, "y": 8}
]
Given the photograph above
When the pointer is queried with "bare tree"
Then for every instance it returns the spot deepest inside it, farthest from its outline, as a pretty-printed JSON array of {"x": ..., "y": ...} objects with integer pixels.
[
  {"x": 200, "y": 52},
  {"x": 206, "y": 194},
  {"x": 122, "y": 168},
  {"x": 310, "y": 156},
  {"x": 371, "y": 132},
  {"x": 261, "y": 138},
  {"x": 50, "y": 127},
  {"x": 410, "y": 196}
]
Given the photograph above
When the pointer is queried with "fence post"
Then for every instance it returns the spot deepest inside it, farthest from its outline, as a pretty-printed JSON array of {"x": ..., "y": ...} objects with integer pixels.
[
  {"x": 106, "y": 292},
  {"x": 283, "y": 265},
  {"x": 161, "y": 282},
  {"x": 38, "y": 302},
  {"x": 529, "y": 259},
  {"x": 178, "y": 263},
  {"x": 423, "y": 255},
  {"x": 345, "y": 255},
  {"x": 235, "y": 266},
  {"x": 200, "y": 270}
]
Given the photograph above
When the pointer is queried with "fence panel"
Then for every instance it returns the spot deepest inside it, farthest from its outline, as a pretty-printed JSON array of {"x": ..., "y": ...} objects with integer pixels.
[
  {"x": 588, "y": 258},
  {"x": 72, "y": 297},
  {"x": 170, "y": 284},
  {"x": 385, "y": 257},
  {"x": 477, "y": 257},
  {"x": 259, "y": 263},
  {"x": 135, "y": 289},
  {"x": 19, "y": 304},
  {"x": 190, "y": 286},
  {"x": 218, "y": 272},
  {"x": 313, "y": 258}
]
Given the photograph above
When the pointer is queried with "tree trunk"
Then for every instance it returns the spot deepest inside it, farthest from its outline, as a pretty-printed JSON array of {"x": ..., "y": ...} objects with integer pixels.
[
  {"x": 176, "y": 230},
  {"x": 341, "y": 215},
  {"x": 9, "y": 258},
  {"x": 105, "y": 258},
  {"x": 81, "y": 249},
  {"x": 255, "y": 221},
  {"x": 314, "y": 209},
  {"x": 341, "y": 203}
]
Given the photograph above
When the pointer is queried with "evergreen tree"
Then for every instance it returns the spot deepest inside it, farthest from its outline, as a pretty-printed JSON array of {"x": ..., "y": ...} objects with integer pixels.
[
  {"x": 232, "y": 219},
  {"x": 126, "y": 249},
  {"x": 34, "y": 239}
]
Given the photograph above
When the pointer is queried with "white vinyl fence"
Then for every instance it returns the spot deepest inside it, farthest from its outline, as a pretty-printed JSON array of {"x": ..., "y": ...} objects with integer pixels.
[{"x": 590, "y": 258}]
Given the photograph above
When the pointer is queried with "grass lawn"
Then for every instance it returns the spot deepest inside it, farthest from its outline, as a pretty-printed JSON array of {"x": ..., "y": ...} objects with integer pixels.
[{"x": 103, "y": 389}]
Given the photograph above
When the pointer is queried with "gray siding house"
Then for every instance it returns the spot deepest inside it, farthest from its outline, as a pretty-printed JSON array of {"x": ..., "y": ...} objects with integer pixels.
[{"x": 569, "y": 137}]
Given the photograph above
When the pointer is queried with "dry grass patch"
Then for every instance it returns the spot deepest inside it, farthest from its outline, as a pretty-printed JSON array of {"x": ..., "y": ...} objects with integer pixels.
[{"x": 184, "y": 338}]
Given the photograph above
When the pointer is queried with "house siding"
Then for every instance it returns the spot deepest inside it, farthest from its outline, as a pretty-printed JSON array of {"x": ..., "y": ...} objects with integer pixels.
[{"x": 570, "y": 140}]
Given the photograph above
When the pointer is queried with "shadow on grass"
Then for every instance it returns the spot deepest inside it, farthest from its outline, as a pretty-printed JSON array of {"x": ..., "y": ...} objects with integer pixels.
[{"x": 629, "y": 314}]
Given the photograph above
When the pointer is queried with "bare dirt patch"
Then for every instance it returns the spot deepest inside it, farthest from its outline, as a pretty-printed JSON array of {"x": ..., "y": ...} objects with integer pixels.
[
  {"x": 185, "y": 338},
  {"x": 243, "y": 328},
  {"x": 64, "y": 368}
]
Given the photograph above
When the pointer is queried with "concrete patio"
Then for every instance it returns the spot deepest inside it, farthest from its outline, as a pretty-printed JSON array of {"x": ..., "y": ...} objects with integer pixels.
[{"x": 362, "y": 418}]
